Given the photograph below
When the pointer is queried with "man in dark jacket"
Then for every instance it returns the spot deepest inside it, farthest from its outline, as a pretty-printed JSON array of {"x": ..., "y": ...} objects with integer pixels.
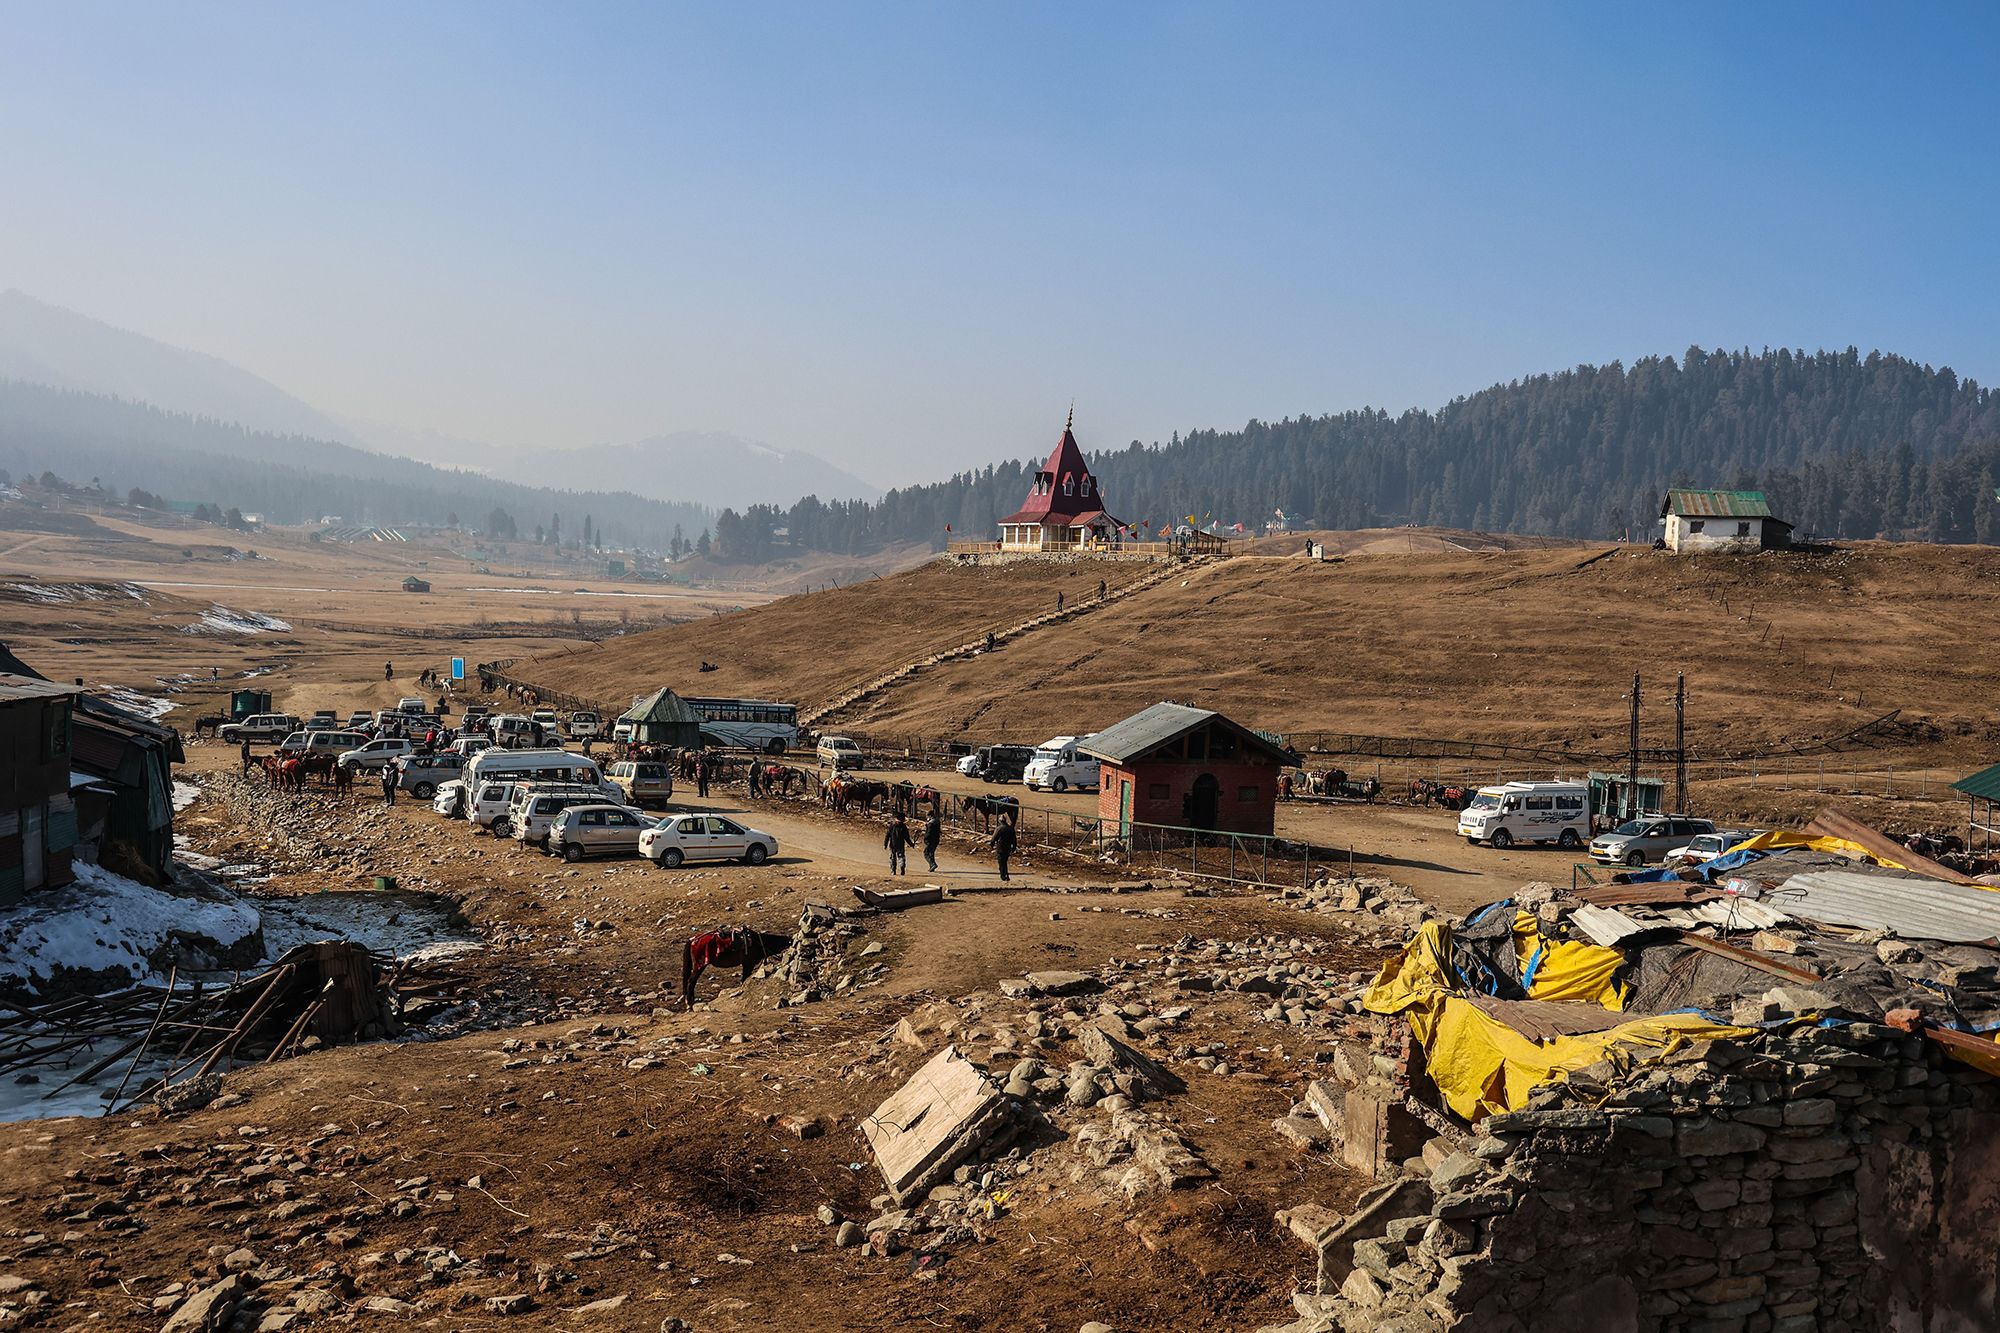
[
  {"x": 389, "y": 784},
  {"x": 897, "y": 840},
  {"x": 701, "y": 776},
  {"x": 1003, "y": 843},
  {"x": 933, "y": 833}
]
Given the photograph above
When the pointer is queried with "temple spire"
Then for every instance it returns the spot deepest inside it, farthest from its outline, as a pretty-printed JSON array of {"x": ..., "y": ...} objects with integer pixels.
[{"x": 1071, "y": 419}]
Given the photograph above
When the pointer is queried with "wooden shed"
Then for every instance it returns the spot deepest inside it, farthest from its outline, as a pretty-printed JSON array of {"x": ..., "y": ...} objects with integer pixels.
[{"x": 1188, "y": 768}]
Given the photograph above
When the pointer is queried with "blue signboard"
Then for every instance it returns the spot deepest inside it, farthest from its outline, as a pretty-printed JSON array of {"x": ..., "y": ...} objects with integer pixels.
[{"x": 458, "y": 668}]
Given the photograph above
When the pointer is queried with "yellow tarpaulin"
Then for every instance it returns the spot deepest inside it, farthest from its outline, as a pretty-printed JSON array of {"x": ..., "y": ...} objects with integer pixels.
[
  {"x": 1481, "y": 1065},
  {"x": 1565, "y": 969},
  {"x": 1771, "y": 842}
]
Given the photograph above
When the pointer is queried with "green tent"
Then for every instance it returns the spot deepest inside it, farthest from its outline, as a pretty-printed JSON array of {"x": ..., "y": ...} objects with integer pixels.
[{"x": 663, "y": 719}]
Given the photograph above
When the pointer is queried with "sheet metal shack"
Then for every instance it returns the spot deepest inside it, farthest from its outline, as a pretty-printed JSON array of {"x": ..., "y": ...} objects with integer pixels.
[
  {"x": 37, "y": 819},
  {"x": 1187, "y": 767},
  {"x": 132, "y": 759},
  {"x": 663, "y": 718}
]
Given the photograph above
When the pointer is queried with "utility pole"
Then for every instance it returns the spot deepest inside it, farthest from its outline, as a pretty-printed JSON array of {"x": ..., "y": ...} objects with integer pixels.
[
  {"x": 1680, "y": 744},
  {"x": 1632, "y": 757}
]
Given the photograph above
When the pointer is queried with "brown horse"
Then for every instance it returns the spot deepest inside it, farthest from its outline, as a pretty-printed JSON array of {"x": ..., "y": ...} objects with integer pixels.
[
  {"x": 842, "y": 792},
  {"x": 320, "y": 766},
  {"x": 726, "y": 946},
  {"x": 780, "y": 779}
]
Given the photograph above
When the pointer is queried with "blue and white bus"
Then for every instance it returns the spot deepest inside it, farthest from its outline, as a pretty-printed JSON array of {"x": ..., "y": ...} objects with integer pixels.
[{"x": 747, "y": 724}]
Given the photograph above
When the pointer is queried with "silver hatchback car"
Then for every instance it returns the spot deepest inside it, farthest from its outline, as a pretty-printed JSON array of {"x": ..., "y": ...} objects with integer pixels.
[
  {"x": 597, "y": 830},
  {"x": 1647, "y": 838}
]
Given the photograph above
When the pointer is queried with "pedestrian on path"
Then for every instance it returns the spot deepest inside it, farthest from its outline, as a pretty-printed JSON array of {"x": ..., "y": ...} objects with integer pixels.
[
  {"x": 1059, "y": 603},
  {"x": 933, "y": 833},
  {"x": 1100, "y": 590},
  {"x": 897, "y": 840},
  {"x": 388, "y": 784},
  {"x": 752, "y": 779},
  {"x": 701, "y": 776},
  {"x": 1003, "y": 844}
]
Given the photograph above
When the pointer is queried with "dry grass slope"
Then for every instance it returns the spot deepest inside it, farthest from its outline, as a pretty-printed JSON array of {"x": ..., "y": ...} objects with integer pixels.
[{"x": 1528, "y": 647}]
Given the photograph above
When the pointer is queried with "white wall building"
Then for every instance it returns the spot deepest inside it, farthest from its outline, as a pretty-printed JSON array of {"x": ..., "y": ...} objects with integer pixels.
[{"x": 1721, "y": 521}]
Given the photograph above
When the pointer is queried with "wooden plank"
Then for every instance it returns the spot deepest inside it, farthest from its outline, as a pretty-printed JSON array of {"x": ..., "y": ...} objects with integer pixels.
[{"x": 1763, "y": 962}]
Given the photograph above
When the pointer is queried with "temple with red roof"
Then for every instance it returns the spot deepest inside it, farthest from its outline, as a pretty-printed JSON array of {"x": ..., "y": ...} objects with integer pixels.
[{"x": 1064, "y": 510}]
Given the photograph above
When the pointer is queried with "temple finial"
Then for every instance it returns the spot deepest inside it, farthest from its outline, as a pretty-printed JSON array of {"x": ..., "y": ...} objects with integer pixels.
[{"x": 1071, "y": 419}]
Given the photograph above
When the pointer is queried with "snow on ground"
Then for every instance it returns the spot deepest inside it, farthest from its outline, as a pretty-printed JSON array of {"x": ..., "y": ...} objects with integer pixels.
[
  {"x": 185, "y": 795},
  {"x": 145, "y": 705},
  {"x": 105, "y": 922},
  {"x": 401, "y": 925},
  {"x": 53, "y": 593},
  {"x": 219, "y": 619}
]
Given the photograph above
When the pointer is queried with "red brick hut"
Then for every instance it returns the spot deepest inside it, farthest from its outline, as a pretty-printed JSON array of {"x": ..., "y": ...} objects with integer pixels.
[{"x": 1187, "y": 767}]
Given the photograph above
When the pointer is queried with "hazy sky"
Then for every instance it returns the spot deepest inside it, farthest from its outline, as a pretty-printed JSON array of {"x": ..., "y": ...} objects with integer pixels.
[{"x": 904, "y": 236}]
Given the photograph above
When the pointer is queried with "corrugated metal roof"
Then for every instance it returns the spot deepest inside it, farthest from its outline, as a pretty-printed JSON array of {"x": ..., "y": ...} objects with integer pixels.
[
  {"x": 1986, "y": 783},
  {"x": 1922, "y": 909},
  {"x": 1152, "y": 727},
  {"x": 1716, "y": 504},
  {"x": 14, "y": 687},
  {"x": 1606, "y": 925}
]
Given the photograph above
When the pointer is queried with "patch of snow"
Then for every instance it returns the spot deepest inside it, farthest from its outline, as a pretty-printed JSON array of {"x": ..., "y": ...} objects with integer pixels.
[
  {"x": 147, "y": 706},
  {"x": 185, "y": 795},
  {"x": 105, "y": 922},
  {"x": 219, "y": 619},
  {"x": 401, "y": 925}
]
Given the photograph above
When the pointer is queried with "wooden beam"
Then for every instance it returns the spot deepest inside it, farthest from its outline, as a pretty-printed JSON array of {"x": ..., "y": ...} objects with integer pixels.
[{"x": 1763, "y": 962}]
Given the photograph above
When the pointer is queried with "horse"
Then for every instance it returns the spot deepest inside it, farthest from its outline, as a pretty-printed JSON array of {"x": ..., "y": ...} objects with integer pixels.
[
  {"x": 321, "y": 766},
  {"x": 781, "y": 778},
  {"x": 292, "y": 775},
  {"x": 842, "y": 792},
  {"x": 343, "y": 779},
  {"x": 209, "y": 724},
  {"x": 981, "y": 810},
  {"x": 726, "y": 946},
  {"x": 905, "y": 797}
]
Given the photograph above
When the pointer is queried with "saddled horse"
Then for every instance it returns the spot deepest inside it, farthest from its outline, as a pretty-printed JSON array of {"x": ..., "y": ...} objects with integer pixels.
[
  {"x": 726, "y": 946},
  {"x": 782, "y": 779},
  {"x": 844, "y": 791},
  {"x": 982, "y": 810},
  {"x": 321, "y": 766},
  {"x": 906, "y": 797}
]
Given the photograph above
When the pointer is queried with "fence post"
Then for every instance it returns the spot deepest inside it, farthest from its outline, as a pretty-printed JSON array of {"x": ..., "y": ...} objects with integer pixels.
[{"x": 1232, "y": 858}]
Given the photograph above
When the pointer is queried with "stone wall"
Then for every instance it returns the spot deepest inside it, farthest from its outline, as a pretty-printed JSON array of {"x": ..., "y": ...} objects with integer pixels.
[{"x": 1813, "y": 1179}]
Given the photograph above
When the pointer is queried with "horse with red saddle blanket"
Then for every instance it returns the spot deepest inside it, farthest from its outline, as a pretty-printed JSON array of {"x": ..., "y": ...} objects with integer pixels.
[{"x": 726, "y": 946}]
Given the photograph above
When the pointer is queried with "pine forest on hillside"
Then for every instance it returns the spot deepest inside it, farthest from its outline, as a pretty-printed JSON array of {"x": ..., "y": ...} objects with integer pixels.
[{"x": 1847, "y": 447}]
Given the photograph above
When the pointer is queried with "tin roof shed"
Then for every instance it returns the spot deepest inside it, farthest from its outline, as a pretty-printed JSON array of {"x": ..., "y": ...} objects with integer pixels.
[{"x": 1716, "y": 504}]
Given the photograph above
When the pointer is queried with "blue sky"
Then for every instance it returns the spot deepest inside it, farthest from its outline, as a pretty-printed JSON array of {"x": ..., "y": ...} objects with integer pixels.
[{"x": 905, "y": 236}]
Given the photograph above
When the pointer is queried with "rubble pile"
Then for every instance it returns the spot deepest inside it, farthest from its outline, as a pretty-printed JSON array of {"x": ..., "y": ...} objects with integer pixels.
[
  {"x": 1398, "y": 910},
  {"x": 817, "y": 966},
  {"x": 1754, "y": 1183}
]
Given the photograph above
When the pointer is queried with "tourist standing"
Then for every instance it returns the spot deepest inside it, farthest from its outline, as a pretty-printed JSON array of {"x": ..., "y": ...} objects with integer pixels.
[
  {"x": 933, "y": 833},
  {"x": 897, "y": 840},
  {"x": 1003, "y": 844}
]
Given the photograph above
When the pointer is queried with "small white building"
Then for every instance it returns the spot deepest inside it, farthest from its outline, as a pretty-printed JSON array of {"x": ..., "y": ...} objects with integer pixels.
[{"x": 1721, "y": 521}]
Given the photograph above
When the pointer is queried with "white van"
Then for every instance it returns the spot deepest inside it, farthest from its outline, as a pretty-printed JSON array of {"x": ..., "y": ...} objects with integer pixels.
[
  {"x": 511, "y": 731},
  {"x": 1557, "y": 812},
  {"x": 496, "y": 765},
  {"x": 1058, "y": 766}
]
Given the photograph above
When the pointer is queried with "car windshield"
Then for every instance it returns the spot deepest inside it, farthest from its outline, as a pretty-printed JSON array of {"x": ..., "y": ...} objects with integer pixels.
[
  {"x": 1632, "y": 828},
  {"x": 1484, "y": 801}
]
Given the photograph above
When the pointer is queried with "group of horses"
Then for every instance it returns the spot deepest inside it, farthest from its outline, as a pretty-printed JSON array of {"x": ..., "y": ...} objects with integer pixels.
[
  {"x": 1450, "y": 795},
  {"x": 292, "y": 772}
]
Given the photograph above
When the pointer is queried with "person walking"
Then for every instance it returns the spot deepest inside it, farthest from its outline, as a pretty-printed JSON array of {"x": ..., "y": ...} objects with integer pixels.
[
  {"x": 388, "y": 671},
  {"x": 751, "y": 778},
  {"x": 897, "y": 840},
  {"x": 1059, "y": 603},
  {"x": 1100, "y": 590},
  {"x": 1003, "y": 844},
  {"x": 388, "y": 784},
  {"x": 933, "y": 834},
  {"x": 246, "y": 754},
  {"x": 701, "y": 776}
]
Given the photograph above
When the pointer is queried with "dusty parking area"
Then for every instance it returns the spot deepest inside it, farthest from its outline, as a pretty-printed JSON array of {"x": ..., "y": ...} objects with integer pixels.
[{"x": 600, "y": 1150}]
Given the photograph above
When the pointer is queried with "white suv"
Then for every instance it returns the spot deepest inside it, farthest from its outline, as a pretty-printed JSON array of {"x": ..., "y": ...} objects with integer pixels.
[{"x": 839, "y": 753}]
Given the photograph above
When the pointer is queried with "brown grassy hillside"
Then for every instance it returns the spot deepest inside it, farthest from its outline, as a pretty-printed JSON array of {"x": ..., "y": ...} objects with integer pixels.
[
  {"x": 1522, "y": 646},
  {"x": 810, "y": 647}
]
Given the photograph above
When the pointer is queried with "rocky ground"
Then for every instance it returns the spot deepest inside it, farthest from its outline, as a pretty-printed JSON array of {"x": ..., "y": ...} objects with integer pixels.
[{"x": 568, "y": 1146}]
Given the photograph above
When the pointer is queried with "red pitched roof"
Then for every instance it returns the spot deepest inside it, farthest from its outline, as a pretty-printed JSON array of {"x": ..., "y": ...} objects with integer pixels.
[{"x": 1063, "y": 491}]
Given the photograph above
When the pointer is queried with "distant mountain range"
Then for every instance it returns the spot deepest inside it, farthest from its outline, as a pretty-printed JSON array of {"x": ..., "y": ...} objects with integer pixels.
[{"x": 43, "y": 344}]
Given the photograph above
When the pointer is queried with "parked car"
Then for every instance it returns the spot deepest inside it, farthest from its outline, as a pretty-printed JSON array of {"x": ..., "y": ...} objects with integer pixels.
[
  {"x": 1647, "y": 838},
  {"x": 268, "y": 728},
  {"x": 471, "y": 745},
  {"x": 546, "y": 719},
  {"x": 420, "y": 774},
  {"x": 1537, "y": 812},
  {"x": 318, "y": 723},
  {"x": 1708, "y": 846},
  {"x": 475, "y": 712},
  {"x": 377, "y": 753},
  {"x": 450, "y": 799},
  {"x": 409, "y": 704},
  {"x": 997, "y": 763},
  {"x": 679, "y": 838},
  {"x": 302, "y": 743},
  {"x": 489, "y": 805},
  {"x": 597, "y": 830},
  {"x": 645, "y": 782},
  {"x": 623, "y": 732},
  {"x": 356, "y": 721},
  {"x": 535, "y": 806},
  {"x": 839, "y": 753},
  {"x": 584, "y": 724},
  {"x": 1058, "y": 765}
]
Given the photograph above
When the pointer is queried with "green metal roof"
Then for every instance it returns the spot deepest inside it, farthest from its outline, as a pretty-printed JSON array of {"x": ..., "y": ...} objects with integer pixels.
[
  {"x": 1986, "y": 783},
  {"x": 1716, "y": 504}
]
